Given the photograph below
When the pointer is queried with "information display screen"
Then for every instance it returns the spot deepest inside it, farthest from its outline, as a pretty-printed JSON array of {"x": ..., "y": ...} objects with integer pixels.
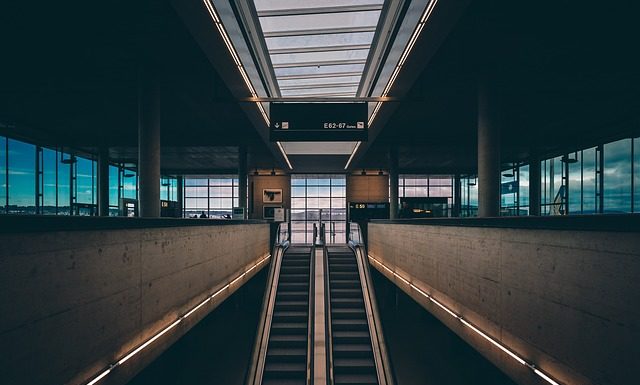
[{"x": 318, "y": 121}]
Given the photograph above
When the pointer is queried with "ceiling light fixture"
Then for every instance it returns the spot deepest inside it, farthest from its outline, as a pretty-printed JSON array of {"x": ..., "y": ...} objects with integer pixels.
[
  {"x": 353, "y": 153},
  {"x": 235, "y": 56},
  {"x": 285, "y": 155}
]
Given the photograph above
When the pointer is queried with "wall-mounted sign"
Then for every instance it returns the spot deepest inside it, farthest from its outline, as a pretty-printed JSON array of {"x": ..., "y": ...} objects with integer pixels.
[{"x": 327, "y": 122}]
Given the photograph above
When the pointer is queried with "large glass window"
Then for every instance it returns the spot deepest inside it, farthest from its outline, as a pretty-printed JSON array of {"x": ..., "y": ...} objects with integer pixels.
[
  {"x": 588, "y": 159},
  {"x": 469, "y": 196},
  {"x": 3, "y": 174},
  {"x": 22, "y": 166},
  {"x": 617, "y": 176},
  {"x": 309, "y": 195},
  {"x": 214, "y": 196},
  {"x": 85, "y": 181},
  {"x": 552, "y": 186},
  {"x": 636, "y": 174},
  {"x": 438, "y": 187},
  {"x": 49, "y": 178}
]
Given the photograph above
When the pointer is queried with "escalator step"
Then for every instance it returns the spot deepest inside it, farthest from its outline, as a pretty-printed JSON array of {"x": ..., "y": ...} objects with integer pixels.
[
  {"x": 353, "y": 363},
  {"x": 349, "y": 324},
  {"x": 287, "y": 354},
  {"x": 355, "y": 379},
  {"x": 285, "y": 369},
  {"x": 351, "y": 336}
]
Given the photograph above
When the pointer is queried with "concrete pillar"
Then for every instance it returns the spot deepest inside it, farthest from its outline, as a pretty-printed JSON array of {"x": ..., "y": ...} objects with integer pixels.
[
  {"x": 534, "y": 185},
  {"x": 393, "y": 183},
  {"x": 488, "y": 151},
  {"x": 242, "y": 178},
  {"x": 103, "y": 181},
  {"x": 180, "y": 194},
  {"x": 149, "y": 148},
  {"x": 457, "y": 196}
]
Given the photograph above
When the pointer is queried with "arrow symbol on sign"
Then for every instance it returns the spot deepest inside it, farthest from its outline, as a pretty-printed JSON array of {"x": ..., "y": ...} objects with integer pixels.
[{"x": 277, "y": 125}]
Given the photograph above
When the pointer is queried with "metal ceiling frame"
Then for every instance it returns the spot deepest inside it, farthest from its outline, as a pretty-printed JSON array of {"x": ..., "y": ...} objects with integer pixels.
[
  {"x": 320, "y": 63},
  {"x": 327, "y": 48},
  {"x": 320, "y": 10},
  {"x": 321, "y": 31}
]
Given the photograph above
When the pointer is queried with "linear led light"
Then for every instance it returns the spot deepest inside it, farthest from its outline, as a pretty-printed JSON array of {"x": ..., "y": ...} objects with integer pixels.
[
  {"x": 407, "y": 49},
  {"x": 172, "y": 325},
  {"x": 235, "y": 56},
  {"x": 471, "y": 326},
  {"x": 353, "y": 153},
  {"x": 285, "y": 155}
]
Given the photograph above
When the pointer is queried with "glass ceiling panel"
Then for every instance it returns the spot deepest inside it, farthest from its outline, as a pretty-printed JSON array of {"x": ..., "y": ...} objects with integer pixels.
[
  {"x": 269, "y": 5},
  {"x": 320, "y": 91},
  {"x": 320, "y": 40},
  {"x": 318, "y": 57},
  {"x": 324, "y": 21},
  {"x": 319, "y": 70},
  {"x": 315, "y": 81},
  {"x": 318, "y": 47}
]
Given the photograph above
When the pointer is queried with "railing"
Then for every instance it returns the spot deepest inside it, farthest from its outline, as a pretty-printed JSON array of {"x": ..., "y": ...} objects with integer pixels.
[
  {"x": 380, "y": 354},
  {"x": 256, "y": 370}
]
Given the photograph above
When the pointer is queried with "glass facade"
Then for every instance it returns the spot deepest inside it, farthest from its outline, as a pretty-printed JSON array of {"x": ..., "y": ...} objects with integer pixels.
[
  {"x": 309, "y": 195},
  {"x": 428, "y": 186},
  {"x": 468, "y": 196},
  {"x": 215, "y": 195}
]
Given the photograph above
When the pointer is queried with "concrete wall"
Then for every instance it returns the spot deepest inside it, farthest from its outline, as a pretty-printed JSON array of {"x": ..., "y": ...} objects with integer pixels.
[
  {"x": 567, "y": 301},
  {"x": 368, "y": 188},
  {"x": 259, "y": 182},
  {"x": 72, "y": 302}
]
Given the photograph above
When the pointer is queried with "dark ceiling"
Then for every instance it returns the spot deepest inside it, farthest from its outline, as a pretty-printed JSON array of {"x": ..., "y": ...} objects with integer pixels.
[
  {"x": 70, "y": 78},
  {"x": 565, "y": 74}
]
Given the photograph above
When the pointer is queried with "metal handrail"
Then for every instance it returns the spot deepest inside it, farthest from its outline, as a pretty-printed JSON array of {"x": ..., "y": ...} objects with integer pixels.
[
  {"x": 256, "y": 370},
  {"x": 380, "y": 353},
  {"x": 310, "y": 318},
  {"x": 327, "y": 313}
]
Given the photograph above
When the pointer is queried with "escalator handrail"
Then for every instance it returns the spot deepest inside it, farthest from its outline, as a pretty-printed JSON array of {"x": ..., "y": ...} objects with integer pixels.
[
  {"x": 310, "y": 318},
  {"x": 380, "y": 353},
  {"x": 256, "y": 369}
]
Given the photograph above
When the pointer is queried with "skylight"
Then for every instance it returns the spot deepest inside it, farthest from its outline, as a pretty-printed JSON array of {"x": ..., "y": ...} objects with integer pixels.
[{"x": 318, "y": 48}]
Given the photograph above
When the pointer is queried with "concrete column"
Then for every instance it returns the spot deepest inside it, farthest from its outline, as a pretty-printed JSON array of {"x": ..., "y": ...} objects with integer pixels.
[
  {"x": 149, "y": 148},
  {"x": 180, "y": 194},
  {"x": 393, "y": 183},
  {"x": 534, "y": 185},
  {"x": 488, "y": 151},
  {"x": 457, "y": 196},
  {"x": 103, "y": 181},
  {"x": 242, "y": 178}
]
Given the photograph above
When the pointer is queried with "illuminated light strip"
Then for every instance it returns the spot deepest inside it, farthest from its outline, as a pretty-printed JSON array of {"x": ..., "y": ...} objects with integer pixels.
[
  {"x": 353, "y": 153},
  {"x": 396, "y": 71},
  {"x": 100, "y": 377},
  {"x": 468, "y": 324},
  {"x": 137, "y": 350},
  {"x": 404, "y": 56},
  {"x": 285, "y": 155},
  {"x": 236, "y": 58}
]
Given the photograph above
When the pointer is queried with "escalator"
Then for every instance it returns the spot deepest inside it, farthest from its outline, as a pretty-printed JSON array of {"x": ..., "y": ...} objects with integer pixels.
[
  {"x": 319, "y": 322},
  {"x": 286, "y": 361},
  {"x": 353, "y": 359}
]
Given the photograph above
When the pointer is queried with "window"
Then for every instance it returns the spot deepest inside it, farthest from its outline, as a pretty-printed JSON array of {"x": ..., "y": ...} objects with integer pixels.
[
  {"x": 21, "y": 168},
  {"x": 215, "y": 196},
  {"x": 309, "y": 195},
  {"x": 428, "y": 186},
  {"x": 617, "y": 177}
]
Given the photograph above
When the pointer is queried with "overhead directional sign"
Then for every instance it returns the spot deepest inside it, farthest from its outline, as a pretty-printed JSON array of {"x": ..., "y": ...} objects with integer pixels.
[{"x": 326, "y": 122}]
